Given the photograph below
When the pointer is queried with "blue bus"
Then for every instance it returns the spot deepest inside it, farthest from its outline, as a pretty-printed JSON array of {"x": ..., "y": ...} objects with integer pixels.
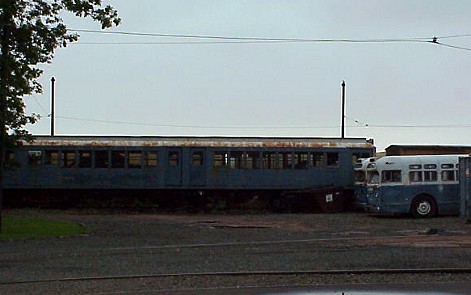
[{"x": 423, "y": 185}]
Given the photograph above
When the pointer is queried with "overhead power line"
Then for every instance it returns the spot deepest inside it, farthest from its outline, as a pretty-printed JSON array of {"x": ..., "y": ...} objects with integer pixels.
[
  {"x": 214, "y": 39},
  {"x": 453, "y": 46},
  {"x": 263, "y": 127},
  {"x": 190, "y": 126},
  {"x": 238, "y": 38},
  {"x": 455, "y": 36}
]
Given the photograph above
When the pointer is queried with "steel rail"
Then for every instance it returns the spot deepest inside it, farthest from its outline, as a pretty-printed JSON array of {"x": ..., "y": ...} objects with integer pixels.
[
  {"x": 250, "y": 273},
  {"x": 248, "y": 243},
  {"x": 419, "y": 234}
]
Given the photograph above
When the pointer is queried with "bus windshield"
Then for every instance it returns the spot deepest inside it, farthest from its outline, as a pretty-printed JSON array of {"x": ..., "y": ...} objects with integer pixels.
[{"x": 373, "y": 177}]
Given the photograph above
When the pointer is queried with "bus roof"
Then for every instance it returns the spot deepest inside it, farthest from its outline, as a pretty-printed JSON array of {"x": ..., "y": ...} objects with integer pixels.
[{"x": 397, "y": 162}]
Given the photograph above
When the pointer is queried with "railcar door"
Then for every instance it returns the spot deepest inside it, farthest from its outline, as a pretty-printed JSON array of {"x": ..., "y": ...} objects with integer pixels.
[
  {"x": 173, "y": 175},
  {"x": 197, "y": 167}
]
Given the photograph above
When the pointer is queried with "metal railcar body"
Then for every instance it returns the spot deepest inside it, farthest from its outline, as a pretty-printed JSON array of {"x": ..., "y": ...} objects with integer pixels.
[
  {"x": 183, "y": 163},
  {"x": 360, "y": 181}
]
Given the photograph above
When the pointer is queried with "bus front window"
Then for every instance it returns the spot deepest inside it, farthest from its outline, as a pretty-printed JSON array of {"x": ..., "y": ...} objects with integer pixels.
[{"x": 373, "y": 177}]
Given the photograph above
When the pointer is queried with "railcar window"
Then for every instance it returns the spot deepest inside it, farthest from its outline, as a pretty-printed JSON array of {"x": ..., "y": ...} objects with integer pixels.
[
  {"x": 415, "y": 176},
  {"x": 286, "y": 160},
  {"x": 269, "y": 160},
  {"x": 332, "y": 159},
  {"x": 134, "y": 159},
  {"x": 244, "y": 160},
  {"x": 301, "y": 160},
  {"x": 390, "y": 176},
  {"x": 10, "y": 160},
  {"x": 34, "y": 158},
  {"x": 9, "y": 155},
  {"x": 52, "y": 158},
  {"x": 430, "y": 176},
  {"x": 360, "y": 176},
  {"x": 447, "y": 166},
  {"x": 85, "y": 159},
  {"x": 236, "y": 160},
  {"x": 252, "y": 160},
  {"x": 118, "y": 159},
  {"x": 68, "y": 159},
  {"x": 197, "y": 159},
  {"x": 151, "y": 159},
  {"x": 101, "y": 159},
  {"x": 357, "y": 156},
  {"x": 448, "y": 175},
  {"x": 317, "y": 159},
  {"x": 173, "y": 158},
  {"x": 220, "y": 159}
]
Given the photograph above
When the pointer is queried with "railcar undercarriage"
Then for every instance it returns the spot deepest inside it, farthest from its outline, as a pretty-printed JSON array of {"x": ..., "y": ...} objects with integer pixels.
[{"x": 318, "y": 200}]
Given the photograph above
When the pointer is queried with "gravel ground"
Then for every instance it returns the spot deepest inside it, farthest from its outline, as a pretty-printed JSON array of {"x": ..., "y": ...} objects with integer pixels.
[{"x": 127, "y": 253}]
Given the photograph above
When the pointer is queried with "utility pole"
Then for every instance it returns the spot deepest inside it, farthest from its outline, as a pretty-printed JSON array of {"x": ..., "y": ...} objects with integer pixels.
[
  {"x": 52, "y": 104},
  {"x": 343, "y": 109}
]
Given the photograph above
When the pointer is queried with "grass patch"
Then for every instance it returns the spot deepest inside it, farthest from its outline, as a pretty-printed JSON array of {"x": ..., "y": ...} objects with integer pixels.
[{"x": 18, "y": 227}]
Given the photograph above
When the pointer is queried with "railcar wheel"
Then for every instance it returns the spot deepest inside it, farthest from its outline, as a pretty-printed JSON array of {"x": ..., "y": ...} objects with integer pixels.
[{"x": 423, "y": 207}]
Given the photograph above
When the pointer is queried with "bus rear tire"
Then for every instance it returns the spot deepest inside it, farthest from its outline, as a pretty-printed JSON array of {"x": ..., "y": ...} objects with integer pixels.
[{"x": 423, "y": 207}]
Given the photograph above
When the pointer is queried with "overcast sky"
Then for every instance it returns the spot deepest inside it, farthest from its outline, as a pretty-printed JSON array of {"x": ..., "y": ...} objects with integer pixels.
[{"x": 406, "y": 92}]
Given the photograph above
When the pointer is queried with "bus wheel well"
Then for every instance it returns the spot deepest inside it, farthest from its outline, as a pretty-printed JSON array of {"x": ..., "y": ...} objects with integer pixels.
[{"x": 424, "y": 205}]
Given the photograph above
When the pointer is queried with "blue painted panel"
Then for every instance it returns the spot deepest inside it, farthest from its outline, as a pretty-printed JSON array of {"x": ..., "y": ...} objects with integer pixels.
[
  {"x": 173, "y": 167},
  {"x": 197, "y": 161}
]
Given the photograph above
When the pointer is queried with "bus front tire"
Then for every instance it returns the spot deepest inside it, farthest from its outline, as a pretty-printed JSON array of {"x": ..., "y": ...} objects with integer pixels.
[{"x": 423, "y": 207}]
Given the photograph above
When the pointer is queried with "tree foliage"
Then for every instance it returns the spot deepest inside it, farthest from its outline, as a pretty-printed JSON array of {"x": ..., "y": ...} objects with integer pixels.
[{"x": 30, "y": 32}]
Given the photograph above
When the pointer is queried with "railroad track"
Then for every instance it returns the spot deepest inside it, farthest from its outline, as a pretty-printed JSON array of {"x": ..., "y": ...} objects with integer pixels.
[{"x": 250, "y": 273}]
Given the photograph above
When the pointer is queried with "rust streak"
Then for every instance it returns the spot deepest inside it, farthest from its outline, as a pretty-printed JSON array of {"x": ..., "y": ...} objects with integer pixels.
[{"x": 229, "y": 142}]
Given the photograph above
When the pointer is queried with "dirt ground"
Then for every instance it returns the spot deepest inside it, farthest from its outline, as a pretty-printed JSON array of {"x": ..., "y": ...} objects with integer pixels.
[{"x": 149, "y": 253}]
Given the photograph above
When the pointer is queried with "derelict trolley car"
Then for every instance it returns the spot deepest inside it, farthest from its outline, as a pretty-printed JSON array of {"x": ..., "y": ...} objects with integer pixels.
[{"x": 165, "y": 168}]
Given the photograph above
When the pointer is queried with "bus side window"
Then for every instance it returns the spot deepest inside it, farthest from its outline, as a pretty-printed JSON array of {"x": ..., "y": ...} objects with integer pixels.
[
  {"x": 389, "y": 176},
  {"x": 448, "y": 175},
  {"x": 430, "y": 173},
  {"x": 430, "y": 176},
  {"x": 415, "y": 176}
]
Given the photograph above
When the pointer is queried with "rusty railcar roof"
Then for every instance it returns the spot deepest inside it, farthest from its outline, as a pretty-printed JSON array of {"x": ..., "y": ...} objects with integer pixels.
[{"x": 156, "y": 141}]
